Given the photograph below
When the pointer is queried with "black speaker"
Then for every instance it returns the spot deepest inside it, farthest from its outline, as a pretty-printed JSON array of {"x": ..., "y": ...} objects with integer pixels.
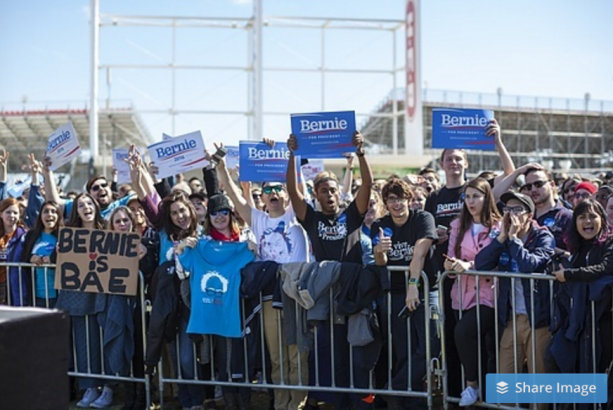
[{"x": 33, "y": 359}]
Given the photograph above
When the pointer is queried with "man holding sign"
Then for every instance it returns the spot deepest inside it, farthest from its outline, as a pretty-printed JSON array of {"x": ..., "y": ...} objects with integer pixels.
[
  {"x": 335, "y": 236},
  {"x": 280, "y": 239}
]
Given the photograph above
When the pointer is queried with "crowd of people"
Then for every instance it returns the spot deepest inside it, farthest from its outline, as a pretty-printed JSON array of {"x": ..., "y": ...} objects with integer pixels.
[{"x": 300, "y": 271}]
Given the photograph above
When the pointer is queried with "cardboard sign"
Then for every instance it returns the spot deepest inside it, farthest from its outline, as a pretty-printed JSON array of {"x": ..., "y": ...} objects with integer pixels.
[
  {"x": 232, "y": 156},
  {"x": 314, "y": 167},
  {"x": 62, "y": 146},
  {"x": 179, "y": 154},
  {"x": 324, "y": 134},
  {"x": 461, "y": 129},
  {"x": 97, "y": 261},
  {"x": 261, "y": 163}
]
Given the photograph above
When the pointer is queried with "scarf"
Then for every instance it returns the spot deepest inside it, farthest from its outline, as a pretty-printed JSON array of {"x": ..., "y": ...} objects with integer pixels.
[{"x": 218, "y": 236}]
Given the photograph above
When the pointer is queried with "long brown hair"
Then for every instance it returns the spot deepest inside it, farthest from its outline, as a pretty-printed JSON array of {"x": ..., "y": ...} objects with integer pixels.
[
  {"x": 8, "y": 202},
  {"x": 489, "y": 212},
  {"x": 76, "y": 221},
  {"x": 174, "y": 232}
]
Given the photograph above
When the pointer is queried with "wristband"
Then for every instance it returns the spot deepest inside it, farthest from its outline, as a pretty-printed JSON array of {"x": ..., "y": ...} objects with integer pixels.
[
  {"x": 413, "y": 282},
  {"x": 360, "y": 152}
]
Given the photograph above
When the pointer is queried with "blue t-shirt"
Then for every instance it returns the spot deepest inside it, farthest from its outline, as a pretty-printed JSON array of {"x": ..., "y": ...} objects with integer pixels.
[
  {"x": 106, "y": 212},
  {"x": 44, "y": 246},
  {"x": 215, "y": 279}
]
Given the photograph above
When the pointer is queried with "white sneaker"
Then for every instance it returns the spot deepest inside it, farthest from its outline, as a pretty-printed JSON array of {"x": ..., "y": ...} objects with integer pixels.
[
  {"x": 89, "y": 397},
  {"x": 105, "y": 399},
  {"x": 470, "y": 395}
]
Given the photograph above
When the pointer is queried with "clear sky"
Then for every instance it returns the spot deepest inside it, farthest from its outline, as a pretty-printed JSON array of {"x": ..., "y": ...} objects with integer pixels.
[{"x": 540, "y": 48}]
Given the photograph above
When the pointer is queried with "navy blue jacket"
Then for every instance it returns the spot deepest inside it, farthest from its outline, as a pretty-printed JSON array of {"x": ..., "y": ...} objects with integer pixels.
[{"x": 533, "y": 256}]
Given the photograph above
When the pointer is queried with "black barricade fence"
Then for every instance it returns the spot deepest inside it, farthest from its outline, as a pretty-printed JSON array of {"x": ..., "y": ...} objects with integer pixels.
[{"x": 301, "y": 349}]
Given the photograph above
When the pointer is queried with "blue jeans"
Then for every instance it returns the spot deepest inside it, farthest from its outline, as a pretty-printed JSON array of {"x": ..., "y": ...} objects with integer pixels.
[
  {"x": 84, "y": 327},
  {"x": 189, "y": 394}
]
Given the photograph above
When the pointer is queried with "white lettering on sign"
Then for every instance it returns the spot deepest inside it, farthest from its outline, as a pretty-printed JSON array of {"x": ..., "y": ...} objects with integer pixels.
[
  {"x": 255, "y": 153},
  {"x": 475, "y": 121},
  {"x": 307, "y": 126}
]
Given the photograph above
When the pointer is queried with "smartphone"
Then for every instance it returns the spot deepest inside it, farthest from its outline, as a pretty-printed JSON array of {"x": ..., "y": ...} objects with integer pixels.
[
  {"x": 441, "y": 228},
  {"x": 218, "y": 155},
  {"x": 405, "y": 313}
]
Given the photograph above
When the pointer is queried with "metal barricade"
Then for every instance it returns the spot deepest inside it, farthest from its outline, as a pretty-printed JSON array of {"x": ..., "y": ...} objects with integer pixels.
[
  {"x": 23, "y": 281},
  {"x": 323, "y": 378},
  {"x": 536, "y": 350}
]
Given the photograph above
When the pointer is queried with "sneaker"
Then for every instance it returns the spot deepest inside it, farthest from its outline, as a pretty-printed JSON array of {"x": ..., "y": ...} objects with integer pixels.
[
  {"x": 89, "y": 397},
  {"x": 105, "y": 399},
  {"x": 470, "y": 395}
]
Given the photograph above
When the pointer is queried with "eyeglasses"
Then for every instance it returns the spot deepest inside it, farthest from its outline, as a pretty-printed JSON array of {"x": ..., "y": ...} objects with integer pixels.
[
  {"x": 584, "y": 195},
  {"x": 256, "y": 196},
  {"x": 224, "y": 212},
  {"x": 97, "y": 188},
  {"x": 537, "y": 185},
  {"x": 268, "y": 189},
  {"x": 517, "y": 210},
  {"x": 394, "y": 200}
]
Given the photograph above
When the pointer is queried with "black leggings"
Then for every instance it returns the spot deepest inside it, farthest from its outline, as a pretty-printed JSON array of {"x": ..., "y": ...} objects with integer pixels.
[{"x": 466, "y": 338}]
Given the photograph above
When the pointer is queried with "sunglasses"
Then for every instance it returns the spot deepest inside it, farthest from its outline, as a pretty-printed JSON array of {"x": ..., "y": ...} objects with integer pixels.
[
  {"x": 537, "y": 185},
  {"x": 97, "y": 188},
  {"x": 268, "y": 189},
  {"x": 224, "y": 212}
]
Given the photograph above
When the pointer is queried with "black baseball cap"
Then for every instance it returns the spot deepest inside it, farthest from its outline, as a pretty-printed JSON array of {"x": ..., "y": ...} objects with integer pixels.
[{"x": 524, "y": 199}]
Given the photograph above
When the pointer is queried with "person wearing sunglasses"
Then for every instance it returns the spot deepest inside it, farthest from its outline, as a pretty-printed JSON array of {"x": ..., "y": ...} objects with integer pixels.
[
  {"x": 97, "y": 186},
  {"x": 281, "y": 239},
  {"x": 584, "y": 190},
  {"x": 549, "y": 210},
  {"x": 525, "y": 247}
]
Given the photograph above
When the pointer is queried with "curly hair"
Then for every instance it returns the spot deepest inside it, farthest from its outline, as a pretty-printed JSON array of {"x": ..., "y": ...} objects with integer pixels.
[{"x": 397, "y": 187}]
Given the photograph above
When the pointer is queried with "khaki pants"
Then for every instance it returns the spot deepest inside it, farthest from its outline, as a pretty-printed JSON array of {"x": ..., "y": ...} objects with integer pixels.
[
  {"x": 280, "y": 352},
  {"x": 523, "y": 350}
]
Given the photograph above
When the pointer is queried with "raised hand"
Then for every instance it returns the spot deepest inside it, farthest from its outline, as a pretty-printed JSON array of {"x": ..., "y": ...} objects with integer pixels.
[{"x": 292, "y": 143}]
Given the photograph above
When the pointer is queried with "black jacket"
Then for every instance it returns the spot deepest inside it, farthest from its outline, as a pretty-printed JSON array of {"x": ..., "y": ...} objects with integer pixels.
[{"x": 166, "y": 311}]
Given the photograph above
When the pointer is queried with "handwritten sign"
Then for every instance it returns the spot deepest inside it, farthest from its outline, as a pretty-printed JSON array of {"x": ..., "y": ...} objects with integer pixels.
[
  {"x": 261, "y": 163},
  {"x": 461, "y": 129},
  {"x": 324, "y": 134},
  {"x": 179, "y": 154},
  {"x": 62, "y": 146},
  {"x": 97, "y": 261}
]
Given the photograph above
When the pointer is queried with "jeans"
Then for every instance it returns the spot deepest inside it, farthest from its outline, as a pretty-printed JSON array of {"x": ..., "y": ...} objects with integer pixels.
[
  {"x": 189, "y": 394},
  {"x": 84, "y": 329}
]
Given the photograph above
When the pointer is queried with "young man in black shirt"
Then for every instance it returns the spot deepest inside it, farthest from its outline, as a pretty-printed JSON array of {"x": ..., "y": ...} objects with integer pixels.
[
  {"x": 335, "y": 235},
  {"x": 405, "y": 237},
  {"x": 445, "y": 205}
]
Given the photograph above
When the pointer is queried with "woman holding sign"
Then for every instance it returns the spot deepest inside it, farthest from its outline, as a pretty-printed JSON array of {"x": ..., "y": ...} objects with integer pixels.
[
  {"x": 83, "y": 308},
  {"x": 122, "y": 220}
]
